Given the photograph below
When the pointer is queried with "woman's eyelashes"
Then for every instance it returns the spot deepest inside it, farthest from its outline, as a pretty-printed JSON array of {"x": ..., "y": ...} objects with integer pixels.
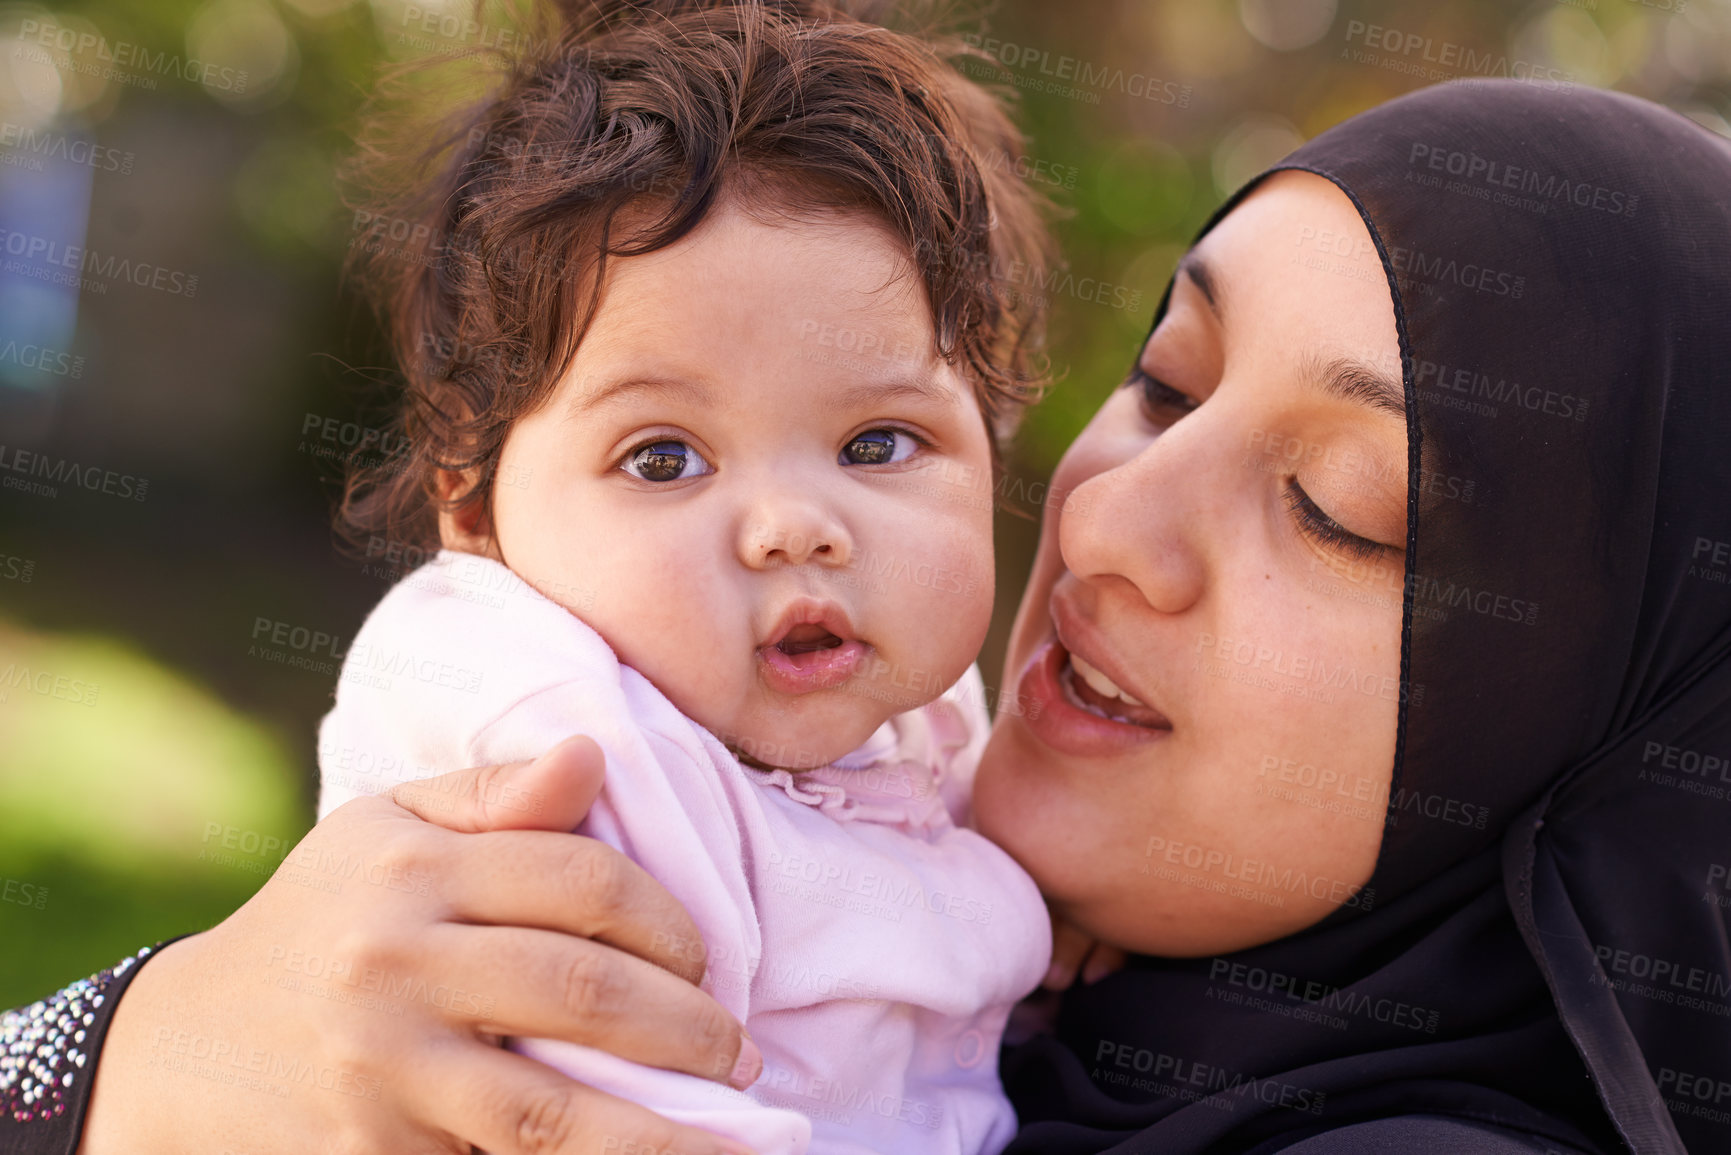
[
  {"x": 1161, "y": 403},
  {"x": 666, "y": 459},
  {"x": 1324, "y": 529},
  {"x": 882, "y": 446}
]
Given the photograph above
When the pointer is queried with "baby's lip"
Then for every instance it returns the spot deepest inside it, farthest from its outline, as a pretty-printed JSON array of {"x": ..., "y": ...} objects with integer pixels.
[
  {"x": 811, "y": 647},
  {"x": 804, "y": 620}
]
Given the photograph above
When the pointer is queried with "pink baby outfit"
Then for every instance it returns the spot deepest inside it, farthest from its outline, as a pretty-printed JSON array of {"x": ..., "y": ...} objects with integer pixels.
[{"x": 870, "y": 943}]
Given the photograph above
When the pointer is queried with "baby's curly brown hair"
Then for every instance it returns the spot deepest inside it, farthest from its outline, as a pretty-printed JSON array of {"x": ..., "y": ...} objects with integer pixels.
[{"x": 483, "y": 247}]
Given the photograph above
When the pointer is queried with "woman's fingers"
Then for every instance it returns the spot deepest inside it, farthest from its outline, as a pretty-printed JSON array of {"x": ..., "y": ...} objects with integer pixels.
[
  {"x": 509, "y": 980},
  {"x": 568, "y": 883},
  {"x": 1069, "y": 947},
  {"x": 553, "y": 792},
  {"x": 1075, "y": 951},
  {"x": 1102, "y": 961},
  {"x": 510, "y": 1105}
]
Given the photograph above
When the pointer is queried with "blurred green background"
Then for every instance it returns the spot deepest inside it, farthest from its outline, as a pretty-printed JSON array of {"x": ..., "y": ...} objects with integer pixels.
[{"x": 162, "y": 485}]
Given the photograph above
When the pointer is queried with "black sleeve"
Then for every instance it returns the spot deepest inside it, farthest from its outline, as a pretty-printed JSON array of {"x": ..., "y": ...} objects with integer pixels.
[{"x": 48, "y": 1053}]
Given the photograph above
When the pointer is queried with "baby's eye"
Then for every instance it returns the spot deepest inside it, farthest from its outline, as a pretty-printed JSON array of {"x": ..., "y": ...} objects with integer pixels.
[
  {"x": 666, "y": 461},
  {"x": 878, "y": 447}
]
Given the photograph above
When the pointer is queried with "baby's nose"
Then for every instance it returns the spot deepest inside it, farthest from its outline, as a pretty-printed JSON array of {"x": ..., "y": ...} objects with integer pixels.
[{"x": 793, "y": 532}]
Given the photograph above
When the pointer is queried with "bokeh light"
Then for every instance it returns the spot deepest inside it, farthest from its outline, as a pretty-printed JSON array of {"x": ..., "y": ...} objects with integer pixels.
[{"x": 1287, "y": 25}]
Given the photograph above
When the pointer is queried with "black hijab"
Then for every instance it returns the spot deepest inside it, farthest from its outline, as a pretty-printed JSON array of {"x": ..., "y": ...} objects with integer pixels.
[{"x": 1546, "y": 954}]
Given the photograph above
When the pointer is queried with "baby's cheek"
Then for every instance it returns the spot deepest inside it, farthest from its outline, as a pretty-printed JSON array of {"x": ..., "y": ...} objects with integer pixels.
[{"x": 952, "y": 608}]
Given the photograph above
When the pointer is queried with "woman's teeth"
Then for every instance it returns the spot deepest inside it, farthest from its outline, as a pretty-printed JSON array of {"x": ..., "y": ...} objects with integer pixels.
[{"x": 1100, "y": 683}]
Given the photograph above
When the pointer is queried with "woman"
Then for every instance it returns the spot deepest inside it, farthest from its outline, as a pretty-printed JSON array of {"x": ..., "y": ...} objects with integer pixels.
[{"x": 1381, "y": 673}]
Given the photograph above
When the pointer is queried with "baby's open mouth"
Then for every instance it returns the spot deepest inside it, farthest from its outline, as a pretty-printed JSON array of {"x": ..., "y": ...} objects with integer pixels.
[
  {"x": 806, "y": 639},
  {"x": 813, "y": 649}
]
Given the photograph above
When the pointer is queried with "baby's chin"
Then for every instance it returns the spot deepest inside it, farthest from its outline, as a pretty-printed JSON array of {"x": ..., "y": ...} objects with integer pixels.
[{"x": 803, "y": 743}]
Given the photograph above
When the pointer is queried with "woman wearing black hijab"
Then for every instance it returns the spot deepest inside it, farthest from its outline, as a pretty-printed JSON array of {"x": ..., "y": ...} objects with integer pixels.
[
  {"x": 1549, "y": 893},
  {"x": 1466, "y": 893}
]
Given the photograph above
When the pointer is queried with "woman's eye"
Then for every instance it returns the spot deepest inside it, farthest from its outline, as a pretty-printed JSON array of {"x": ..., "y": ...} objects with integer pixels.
[
  {"x": 1162, "y": 403},
  {"x": 1324, "y": 529},
  {"x": 878, "y": 447},
  {"x": 666, "y": 461}
]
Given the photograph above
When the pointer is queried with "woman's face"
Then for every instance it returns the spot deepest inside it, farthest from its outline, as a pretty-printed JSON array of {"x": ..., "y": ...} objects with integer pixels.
[{"x": 1208, "y": 653}]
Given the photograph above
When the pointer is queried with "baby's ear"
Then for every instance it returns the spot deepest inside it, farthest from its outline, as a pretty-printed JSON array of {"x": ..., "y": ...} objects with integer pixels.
[{"x": 463, "y": 526}]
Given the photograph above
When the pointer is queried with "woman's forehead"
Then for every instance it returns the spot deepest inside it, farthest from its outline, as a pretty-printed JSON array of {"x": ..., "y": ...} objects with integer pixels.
[{"x": 1292, "y": 274}]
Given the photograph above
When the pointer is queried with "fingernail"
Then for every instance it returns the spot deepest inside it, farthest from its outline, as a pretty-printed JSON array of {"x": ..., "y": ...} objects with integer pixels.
[
  {"x": 1058, "y": 977},
  {"x": 1095, "y": 970},
  {"x": 748, "y": 1066}
]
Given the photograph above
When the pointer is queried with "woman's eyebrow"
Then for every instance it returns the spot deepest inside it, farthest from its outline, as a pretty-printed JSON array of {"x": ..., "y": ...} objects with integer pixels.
[
  {"x": 1357, "y": 382},
  {"x": 1342, "y": 377},
  {"x": 1195, "y": 268}
]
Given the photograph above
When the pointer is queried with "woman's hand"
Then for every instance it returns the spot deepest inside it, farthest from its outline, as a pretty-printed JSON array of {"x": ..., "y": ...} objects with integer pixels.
[
  {"x": 355, "y": 1002},
  {"x": 1075, "y": 950}
]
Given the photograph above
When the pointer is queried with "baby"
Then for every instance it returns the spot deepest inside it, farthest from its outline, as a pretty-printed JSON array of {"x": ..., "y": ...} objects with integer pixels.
[{"x": 724, "y": 336}]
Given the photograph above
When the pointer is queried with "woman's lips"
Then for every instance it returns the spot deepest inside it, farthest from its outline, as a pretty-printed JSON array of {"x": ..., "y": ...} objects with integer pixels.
[
  {"x": 1058, "y": 717},
  {"x": 804, "y": 672}
]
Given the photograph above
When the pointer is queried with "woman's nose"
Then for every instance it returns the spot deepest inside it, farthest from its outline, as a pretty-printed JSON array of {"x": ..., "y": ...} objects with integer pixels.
[
  {"x": 1142, "y": 519},
  {"x": 787, "y": 527}
]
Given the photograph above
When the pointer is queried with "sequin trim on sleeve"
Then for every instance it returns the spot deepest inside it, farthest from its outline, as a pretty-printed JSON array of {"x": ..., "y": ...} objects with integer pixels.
[{"x": 42, "y": 1047}]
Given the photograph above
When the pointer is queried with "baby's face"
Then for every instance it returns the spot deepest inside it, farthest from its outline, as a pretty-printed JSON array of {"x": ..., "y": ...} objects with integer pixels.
[{"x": 762, "y": 486}]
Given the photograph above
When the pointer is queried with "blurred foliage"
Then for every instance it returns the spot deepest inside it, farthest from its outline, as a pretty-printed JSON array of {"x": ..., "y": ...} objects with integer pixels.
[{"x": 1141, "y": 115}]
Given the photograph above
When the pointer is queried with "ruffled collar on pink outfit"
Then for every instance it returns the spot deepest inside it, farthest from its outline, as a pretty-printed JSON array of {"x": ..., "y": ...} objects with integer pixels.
[{"x": 895, "y": 778}]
